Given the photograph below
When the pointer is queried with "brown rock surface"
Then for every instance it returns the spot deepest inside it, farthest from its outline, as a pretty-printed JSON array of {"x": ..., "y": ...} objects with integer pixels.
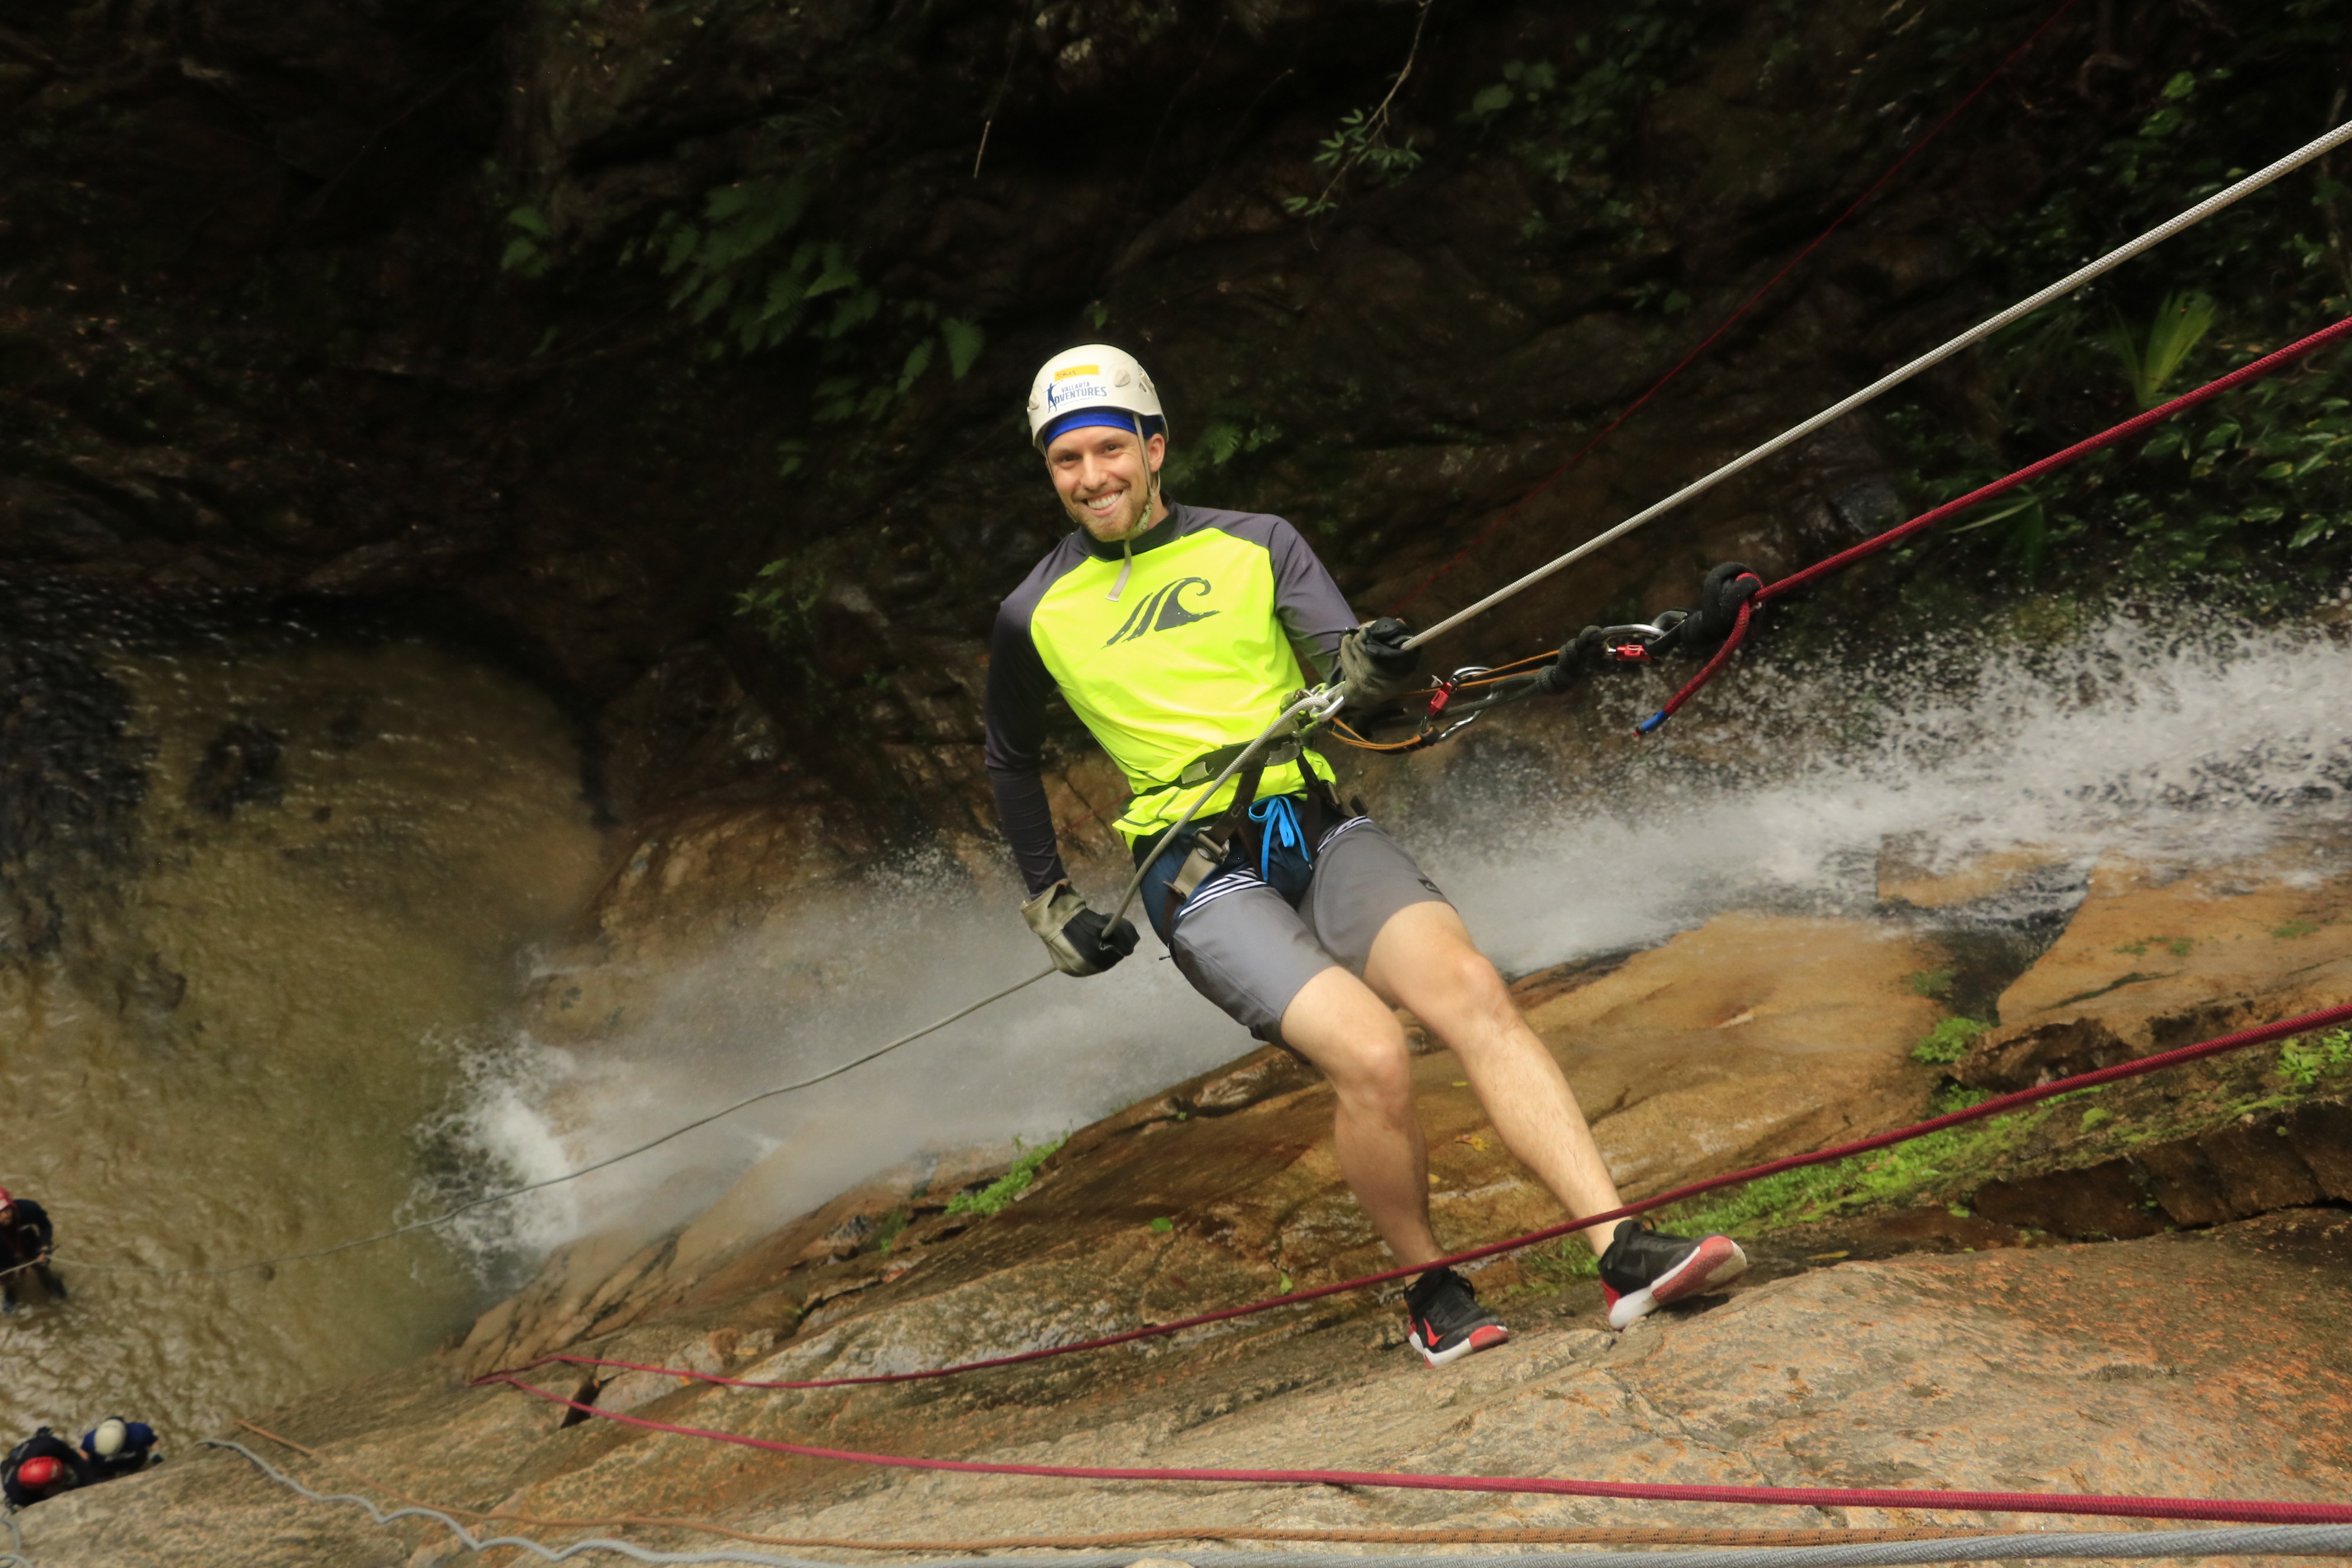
[
  {"x": 2149, "y": 964},
  {"x": 1752, "y": 1035},
  {"x": 2228, "y": 1378}
]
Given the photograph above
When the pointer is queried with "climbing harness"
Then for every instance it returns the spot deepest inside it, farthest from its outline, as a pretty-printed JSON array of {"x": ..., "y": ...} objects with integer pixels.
[{"x": 1278, "y": 824}]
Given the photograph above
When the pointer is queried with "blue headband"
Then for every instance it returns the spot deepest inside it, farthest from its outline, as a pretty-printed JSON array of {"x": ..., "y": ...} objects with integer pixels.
[{"x": 1145, "y": 425}]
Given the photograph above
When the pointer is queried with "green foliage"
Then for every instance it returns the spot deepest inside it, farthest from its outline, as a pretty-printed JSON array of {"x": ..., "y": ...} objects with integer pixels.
[
  {"x": 886, "y": 1235},
  {"x": 786, "y": 590},
  {"x": 1952, "y": 1097},
  {"x": 526, "y": 254},
  {"x": 1576, "y": 118},
  {"x": 2180, "y": 324},
  {"x": 1884, "y": 1178},
  {"x": 1569, "y": 1263},
  {"x": 1233, "y": 429},
  {"x": 1161, "y": 1223},
  {"x": 2305, "y": 1065},
  {"x": 1362, "y": 143},
  {"x": 998, "y": 1195},
  {"x": 2096, "y": 1116},
  {"x": 2251, "y": 494},
  {"x": 746, "y": 269},
  {"x": 1949, "y": 1041},
  {"x": 2292, "y": 930},
  {"x": 1931, "y": 982}
]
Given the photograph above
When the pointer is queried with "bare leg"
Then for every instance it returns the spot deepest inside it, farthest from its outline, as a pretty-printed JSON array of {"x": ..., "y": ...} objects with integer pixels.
[
  {"x": 1337, "y": 1023},
  {"x": 1424, "y": 960}
]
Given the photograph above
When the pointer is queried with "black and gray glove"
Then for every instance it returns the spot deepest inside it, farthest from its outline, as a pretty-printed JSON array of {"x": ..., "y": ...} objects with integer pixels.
[
  {"x": 1374, "y": 663},
  {"x": 1081, "y": 941}
]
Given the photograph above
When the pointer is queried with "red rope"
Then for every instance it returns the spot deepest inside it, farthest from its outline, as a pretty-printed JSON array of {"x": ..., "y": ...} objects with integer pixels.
[
  {"x": 1733, "y": 320},
  {"x": 1951, "y": 508},
  {"x": 2233, "y": 1511},
  {"x": 1995, "y": 1107}
]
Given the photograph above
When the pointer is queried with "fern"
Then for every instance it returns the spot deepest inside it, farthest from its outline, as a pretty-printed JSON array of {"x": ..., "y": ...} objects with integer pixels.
[{"x": 2180, "y": 324}]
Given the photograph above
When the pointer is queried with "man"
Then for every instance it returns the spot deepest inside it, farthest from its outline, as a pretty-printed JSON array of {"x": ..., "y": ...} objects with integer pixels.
[
  {"x": 39, "y": 1468},
  {"x": 115, "y": 1448},
  {"x": 27, "y": 1238},
  {"x": 1176, "y": 635}
]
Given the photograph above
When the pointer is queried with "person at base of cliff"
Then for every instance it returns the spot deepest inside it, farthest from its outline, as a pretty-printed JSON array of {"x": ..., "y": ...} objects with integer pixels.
[
  {"x": 27, "y": 1238},
  {"x": 39, "y": 1468},
  {"x": 1176, "y": 634},
  {"x": 115, "y": 1448}
]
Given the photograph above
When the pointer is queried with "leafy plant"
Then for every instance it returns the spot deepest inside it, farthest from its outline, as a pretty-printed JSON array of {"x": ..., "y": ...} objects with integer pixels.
[
  {"x": 1949, "y": 1041},
  {"x": 1931, "y": 982},
  {"x": 745, "y": 265},
  {"x": 526, "y": 254},
  {"x": 784, "y": 591},
  {"x": 2180, "y": 324},
  {"x": 1576, "y": 118},
  {"x": 1360, "y": 142},
  {"x": 2303, "y": 1065},
  {"x": 998, "y": 1195}
]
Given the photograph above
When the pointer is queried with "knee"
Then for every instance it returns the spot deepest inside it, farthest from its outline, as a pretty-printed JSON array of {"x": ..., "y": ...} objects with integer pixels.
[
  {"x": 1462, "y": 982},
  {"x": 1377, "y": 1079}
]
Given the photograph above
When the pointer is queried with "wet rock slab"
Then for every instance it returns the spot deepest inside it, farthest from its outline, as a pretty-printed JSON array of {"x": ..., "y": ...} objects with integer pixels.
[{"x": 2229, "y": 1376}]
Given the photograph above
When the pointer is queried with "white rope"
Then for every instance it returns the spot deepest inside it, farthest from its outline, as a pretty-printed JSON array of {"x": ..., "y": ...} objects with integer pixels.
[
  {"x": 2298, "y": 1540},
  {"x": 2064, "y": 286}
]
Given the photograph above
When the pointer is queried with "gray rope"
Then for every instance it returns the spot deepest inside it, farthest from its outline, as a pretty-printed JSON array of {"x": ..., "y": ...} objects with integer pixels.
[
  {"x": 2066, "y": 284},
  {"x": 2299, "y": 1541},
  {"x": 1316, "y": 705},
  {"x": 14, "y": 1558},
  {"x": 471, "y": 1203}
]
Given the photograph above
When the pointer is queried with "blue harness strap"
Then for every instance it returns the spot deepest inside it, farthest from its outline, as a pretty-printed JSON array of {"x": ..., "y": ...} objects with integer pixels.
[{"x": 1277, "y": 820}]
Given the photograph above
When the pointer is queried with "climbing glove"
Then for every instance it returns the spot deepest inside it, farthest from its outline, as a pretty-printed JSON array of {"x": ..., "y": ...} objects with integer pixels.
[
  {"x": 1374, "y": 663},
  {"x": 1727, "y": 587},
  {"x": 1081, "y": 941}
]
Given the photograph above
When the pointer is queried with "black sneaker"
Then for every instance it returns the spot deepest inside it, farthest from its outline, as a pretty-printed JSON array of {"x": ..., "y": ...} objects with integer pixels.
[
  {"x": 1446, "y": 1321},
  {"x": 1643, "y": 1270}
]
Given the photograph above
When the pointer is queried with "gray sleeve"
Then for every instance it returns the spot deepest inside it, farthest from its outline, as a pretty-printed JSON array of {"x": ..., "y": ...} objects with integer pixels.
[
  {"x": 1018, "y": 686},
  {"x": 1312, "y": 609}
]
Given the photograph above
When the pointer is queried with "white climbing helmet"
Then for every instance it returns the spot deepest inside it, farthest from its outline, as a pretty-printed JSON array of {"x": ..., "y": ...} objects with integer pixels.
[
  {"x": 107, "y": 1441},
  {"x": 1093, "y": 378}
]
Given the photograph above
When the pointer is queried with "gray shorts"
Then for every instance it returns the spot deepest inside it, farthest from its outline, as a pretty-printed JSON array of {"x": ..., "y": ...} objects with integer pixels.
[{"x": 1243, "y": 947}]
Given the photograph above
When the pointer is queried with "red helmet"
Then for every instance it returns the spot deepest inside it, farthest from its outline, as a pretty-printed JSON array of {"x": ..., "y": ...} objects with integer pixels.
[
  {"x": 40, "y": 1472},
  {"x": 8, "y": 1204}
]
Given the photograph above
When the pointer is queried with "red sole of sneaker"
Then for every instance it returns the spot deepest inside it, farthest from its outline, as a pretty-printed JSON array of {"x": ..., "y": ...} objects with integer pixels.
[
  {"x": 1716, "y": 1260},
  {"x": 1481, "y": 1339}
]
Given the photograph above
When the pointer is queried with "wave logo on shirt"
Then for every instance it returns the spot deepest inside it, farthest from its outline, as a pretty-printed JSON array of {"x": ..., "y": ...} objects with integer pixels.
[{"x": 1163, "y": 611}]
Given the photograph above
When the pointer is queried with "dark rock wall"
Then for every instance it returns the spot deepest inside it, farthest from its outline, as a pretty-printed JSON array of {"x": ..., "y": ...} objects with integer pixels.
[{"x": 398, "y": 303}]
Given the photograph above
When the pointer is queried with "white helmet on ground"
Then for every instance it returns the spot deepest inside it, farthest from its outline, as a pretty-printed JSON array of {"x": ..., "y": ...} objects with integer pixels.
[{"x": 1093, "y": 384}]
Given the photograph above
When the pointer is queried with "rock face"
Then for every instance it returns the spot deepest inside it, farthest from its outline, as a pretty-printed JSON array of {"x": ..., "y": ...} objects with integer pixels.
[
  {"x": 1866, "y": 1349},
  {"x": 2151, "y": 962},
  {"x": 2008, "y": 1371}
]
